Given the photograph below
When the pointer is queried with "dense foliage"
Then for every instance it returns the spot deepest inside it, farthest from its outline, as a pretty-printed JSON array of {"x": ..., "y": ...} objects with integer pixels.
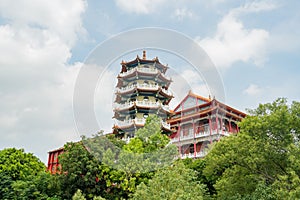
[
  {"x": 23, "y": 176},
  {"x": 260, "y": 162}
]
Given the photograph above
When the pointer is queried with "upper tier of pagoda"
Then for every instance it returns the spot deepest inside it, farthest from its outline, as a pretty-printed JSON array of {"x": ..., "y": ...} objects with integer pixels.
[{"x": 138, "y": 61}]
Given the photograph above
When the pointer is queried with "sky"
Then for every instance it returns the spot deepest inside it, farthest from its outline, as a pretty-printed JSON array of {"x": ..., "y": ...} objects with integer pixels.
[{"x": 254, "y": 46}]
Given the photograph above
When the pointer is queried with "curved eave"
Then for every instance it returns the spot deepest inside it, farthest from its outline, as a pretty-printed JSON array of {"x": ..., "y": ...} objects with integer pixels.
[
  {"x": 154, "y": 90},
  {"x": 139, "y": 73},
  {"x": 128, "y": 127},
  {"x": 141, "y": 107},
  {"x": 167, "y": 129},
  {"x": 203, "y": 113}
]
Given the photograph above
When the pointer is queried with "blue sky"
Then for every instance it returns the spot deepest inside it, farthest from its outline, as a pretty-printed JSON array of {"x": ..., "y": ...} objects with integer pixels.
[{"x": 254, "y": 45}]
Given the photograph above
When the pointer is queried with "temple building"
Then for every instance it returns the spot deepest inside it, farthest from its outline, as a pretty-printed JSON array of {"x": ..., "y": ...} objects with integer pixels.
[
  {"x": 142, "y": 90},
  {"x": 200, "y": 121}
]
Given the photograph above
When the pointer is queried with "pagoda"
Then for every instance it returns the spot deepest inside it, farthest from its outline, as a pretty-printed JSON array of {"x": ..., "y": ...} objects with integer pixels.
[{"x": 141, "y": 91}]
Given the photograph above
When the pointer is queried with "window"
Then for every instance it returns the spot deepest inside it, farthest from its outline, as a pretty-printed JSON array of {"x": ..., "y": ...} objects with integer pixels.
[
  {"x": 55, "y": 157},
  {"x": 146, "y": 98}
]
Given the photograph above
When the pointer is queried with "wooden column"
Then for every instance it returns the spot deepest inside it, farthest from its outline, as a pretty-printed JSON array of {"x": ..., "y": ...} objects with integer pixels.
[
  {"x": 210, "y": 127},
  {"x": 179, "y": 143},
  {"x": 194, "y": 131}
]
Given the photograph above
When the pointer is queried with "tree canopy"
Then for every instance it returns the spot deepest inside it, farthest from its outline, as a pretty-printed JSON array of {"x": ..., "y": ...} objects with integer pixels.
[{"x": 261, "y": 157}]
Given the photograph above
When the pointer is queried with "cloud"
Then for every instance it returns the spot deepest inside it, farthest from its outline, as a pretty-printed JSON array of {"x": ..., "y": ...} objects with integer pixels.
[
  {"x": 253, "y": 90},
  {"x": 256, "y": 6},
  {"x": 139, "y": 6},
  {"x": 183, "y": 13},
  {"x": 233, "y": 42},
  {"x": 36, "y": 81},
  {"x": 63, "y": 18},
  {"x": 185, "y": 80}
]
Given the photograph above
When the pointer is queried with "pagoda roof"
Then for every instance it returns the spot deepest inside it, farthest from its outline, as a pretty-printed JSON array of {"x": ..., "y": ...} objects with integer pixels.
[
  {"x": 143, "y": 60},
  {"x": 210, "y": 104}
]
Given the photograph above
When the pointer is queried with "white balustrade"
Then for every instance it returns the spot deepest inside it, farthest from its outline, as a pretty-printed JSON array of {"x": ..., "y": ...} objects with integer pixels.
[
  {"x": 124, "y": 123},
  {"x": 201, "y": 154},
  {"x": 142, "y": 86},
  {"x": 144, "y": 103},
  {"x": 147, "y": 103},
  {"x": 139, "y": 121},
  {"x": 145, "y": 70},
  {"x": 125, "y": 105}
]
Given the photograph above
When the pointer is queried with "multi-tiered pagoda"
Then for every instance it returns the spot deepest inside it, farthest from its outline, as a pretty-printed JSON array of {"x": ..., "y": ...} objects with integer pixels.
[{"x": 142, "y": 90}]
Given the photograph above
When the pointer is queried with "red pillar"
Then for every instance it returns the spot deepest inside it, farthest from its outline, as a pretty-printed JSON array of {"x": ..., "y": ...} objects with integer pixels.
[
  {"x": 221, "y": 126},
  {"x": 217, "y": 123},
  {"x": 178, "y": 135},
  {"x": 230, "y": 128},
  {"x": 194, "y": 131},
  {"x": 210, "y": 128}
]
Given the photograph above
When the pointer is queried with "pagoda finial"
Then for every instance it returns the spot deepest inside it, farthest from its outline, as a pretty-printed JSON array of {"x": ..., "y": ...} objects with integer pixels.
[{"x": 144, "y": 55}]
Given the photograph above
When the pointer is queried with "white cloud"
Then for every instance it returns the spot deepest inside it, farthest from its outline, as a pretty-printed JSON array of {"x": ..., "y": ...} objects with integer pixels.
[
  {"x": 36, "y": 83},
  {"x": 60, "y": 17},
  {"x": 183, "y": 13},
  {"x": 253, "y": 90},
  {"x": 256, "y": 6},
  {"x": 233, "y": 42},
  {"x": 139, "y": 6}
]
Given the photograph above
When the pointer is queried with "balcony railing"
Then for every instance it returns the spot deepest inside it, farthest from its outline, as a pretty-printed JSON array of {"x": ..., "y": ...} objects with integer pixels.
[
  {"x": 144, "y": 70},
  {"x": 124, "y": 123},
  {"x": 147, "y": 103},
  {"x": 188, "y": 134},
  {"x": 125, "y": 105},
  {"x": 143, "y": 86},
  {"x": 139, "y": 121},
  {"x": 139, "y": 86},
  {"x": 199, "y": 154},
  {"x": 144, "y": 103}
]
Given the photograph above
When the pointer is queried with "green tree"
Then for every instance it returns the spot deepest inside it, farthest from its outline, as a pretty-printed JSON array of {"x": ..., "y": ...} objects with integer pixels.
[
  {"x": 40, "y": 186},
  {"x": 124, "y": 166},
  {"x": 78, "y": 195},
  {"x": 80, "y": 170},
  {"x": 15, "y": 166},
  {"x": 173, "y": 182},
  {"x": 260, "y": 156},
  {"x": 198, "y": 165}
]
